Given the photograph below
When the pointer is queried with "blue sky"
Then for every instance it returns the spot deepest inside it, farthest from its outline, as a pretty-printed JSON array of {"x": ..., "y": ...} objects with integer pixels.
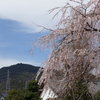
[
  {"x": 15, "y": 45},
  {"x": 17, "y": 30}
]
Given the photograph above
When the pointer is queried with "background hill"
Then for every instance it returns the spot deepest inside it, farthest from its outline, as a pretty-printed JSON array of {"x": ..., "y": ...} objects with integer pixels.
[{"x": 20, "y": 74}]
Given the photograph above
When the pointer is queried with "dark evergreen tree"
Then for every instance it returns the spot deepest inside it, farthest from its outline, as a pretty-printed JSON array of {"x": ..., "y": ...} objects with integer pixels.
[{"x": 32, "y": 91}]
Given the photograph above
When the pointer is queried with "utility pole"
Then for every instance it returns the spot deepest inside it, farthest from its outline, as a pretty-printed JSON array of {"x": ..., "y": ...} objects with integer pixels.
[{"x": 8, "y": 82}]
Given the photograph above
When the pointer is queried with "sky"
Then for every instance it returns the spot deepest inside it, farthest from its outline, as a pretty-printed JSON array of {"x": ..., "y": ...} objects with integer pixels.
[{"x": 18, "y": 31}]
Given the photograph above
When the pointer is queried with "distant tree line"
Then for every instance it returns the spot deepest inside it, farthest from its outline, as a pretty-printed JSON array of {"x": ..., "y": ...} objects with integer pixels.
[{"x": 30, "y": 93}]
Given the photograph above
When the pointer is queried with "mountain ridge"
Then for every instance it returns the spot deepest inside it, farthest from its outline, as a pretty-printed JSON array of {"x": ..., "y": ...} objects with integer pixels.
[{"x": 19, "y": 74}]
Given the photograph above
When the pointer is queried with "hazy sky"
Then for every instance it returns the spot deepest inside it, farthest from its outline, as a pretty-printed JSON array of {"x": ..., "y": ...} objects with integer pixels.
[{"x": 17, "y": 30}]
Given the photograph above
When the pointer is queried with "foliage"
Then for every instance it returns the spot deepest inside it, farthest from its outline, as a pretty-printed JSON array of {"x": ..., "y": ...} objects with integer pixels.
[
  {"x": 81, "y": 93},
  {"x": 33, "y": 86},
  {"x": 97, "y": 95},
  {"x": 15, "y": 95},
  {"x": 75, "y": 44},
  {"x": 31, "y": 93},
  {"x": 32, "y": 96}
]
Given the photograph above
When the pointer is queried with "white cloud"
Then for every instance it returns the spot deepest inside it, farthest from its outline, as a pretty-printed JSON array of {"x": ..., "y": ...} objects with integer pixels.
[
  {"x": 7, "y": 62},
  {"x": 29, "y": 11}
]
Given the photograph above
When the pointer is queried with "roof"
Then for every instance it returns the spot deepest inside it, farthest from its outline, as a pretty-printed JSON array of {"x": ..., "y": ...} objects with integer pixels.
[{"x": 4, "y": 94}]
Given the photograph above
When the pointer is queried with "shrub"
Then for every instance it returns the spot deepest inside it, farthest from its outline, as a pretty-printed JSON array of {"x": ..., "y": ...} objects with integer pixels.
[{"x": 97, "y": 95}]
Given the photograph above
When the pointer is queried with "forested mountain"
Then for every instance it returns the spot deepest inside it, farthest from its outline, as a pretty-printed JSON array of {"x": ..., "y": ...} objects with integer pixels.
[{"x": 19, "y": 74}]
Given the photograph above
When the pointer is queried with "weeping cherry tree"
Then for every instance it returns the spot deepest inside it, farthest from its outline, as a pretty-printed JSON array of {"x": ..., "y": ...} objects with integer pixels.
[{"x": 75, "y": 47}]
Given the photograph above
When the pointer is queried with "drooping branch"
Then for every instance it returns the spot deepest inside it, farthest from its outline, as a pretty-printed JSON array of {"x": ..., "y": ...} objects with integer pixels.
[
  {"x": 91, "y": 28},
  {"x": 75, "y": 52}
]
